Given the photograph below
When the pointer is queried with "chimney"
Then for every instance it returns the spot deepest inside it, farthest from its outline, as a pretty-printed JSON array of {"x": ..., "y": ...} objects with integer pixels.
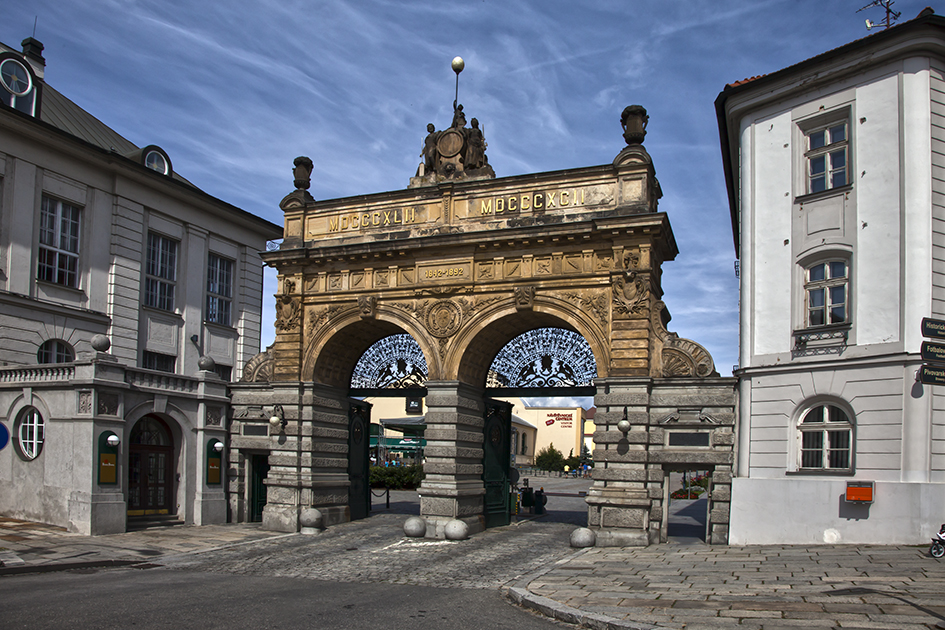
[{"x": 33, "y": 51}]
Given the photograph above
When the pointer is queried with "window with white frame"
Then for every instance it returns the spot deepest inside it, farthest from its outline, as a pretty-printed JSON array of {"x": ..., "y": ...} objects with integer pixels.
[
  {"x": 827, "y": 157},
  {"x": 55, "y": 351},
  {"x": 160, "y": 272},
  {"x": 18, "y": 89},
  {"x": 58, "y": 243},
  {"x": 826, "y": 439},
  {"x": 219, "y": 289},
  {"x": 826, "y": 288},
  {"x": 30, "y": 430}
]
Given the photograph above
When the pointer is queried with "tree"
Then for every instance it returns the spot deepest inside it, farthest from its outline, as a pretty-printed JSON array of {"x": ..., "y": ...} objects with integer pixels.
[{"x": 550, "y": 458}]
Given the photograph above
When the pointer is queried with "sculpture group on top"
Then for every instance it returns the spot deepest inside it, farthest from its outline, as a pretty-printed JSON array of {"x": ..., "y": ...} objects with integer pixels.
[{"x": 458, "y": 152}]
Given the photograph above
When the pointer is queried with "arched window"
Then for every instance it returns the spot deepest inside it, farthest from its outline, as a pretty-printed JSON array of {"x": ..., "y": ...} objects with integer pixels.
[
  {"x": 30, "y": 432},
  {"x": 826, "y": 439},
  {"x": 55, "y": 351}
]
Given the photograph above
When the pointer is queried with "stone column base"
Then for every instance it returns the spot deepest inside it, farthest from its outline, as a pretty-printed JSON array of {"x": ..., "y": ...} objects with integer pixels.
[
  {"x": 280, "y": 518},
  {"x": 436, "y": 525}
]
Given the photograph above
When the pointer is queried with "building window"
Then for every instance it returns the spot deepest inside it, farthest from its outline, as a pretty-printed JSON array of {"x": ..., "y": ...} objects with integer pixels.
[
  {"x": 219, "y": 289},
  {"x": 59, "y": 243},
  {"x": 827, "y": 163},
  {"x": 156, "y": 162},
  {"x": 159, "y": 362},
  {"x": 827, "y": 293},
  {"x": 17, "y": 91},
  {"x": 55, "y": 351},
  {"x": 30, "y": 432},
  {"x": 524, "y": 444},
  {"x": 161, "y": 272},
  {"x": 826, "y": 435},
  {"x": 225, "y": 372}
]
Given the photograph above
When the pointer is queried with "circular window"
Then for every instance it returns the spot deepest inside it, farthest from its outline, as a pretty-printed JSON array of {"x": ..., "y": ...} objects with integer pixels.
[
  {"x": 30, "y": 432},
  {"x": 14, "y": 77},
  {"x": 156, "y": 162}
]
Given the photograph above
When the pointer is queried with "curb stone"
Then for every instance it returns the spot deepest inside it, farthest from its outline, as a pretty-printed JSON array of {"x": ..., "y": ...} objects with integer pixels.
[
  {"x": 521, "y": 596},
  {"x": 555, "y": 610}
]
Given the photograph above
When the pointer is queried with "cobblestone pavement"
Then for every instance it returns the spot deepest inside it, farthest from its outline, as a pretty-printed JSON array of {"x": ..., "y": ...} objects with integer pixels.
[
  {"x": 375, "y": 550},
  {"x": 752, "y": 588},
  {"x": 683, "y": 584}
]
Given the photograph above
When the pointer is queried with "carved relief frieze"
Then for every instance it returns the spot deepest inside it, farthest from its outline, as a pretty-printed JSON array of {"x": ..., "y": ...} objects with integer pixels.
[
  {"x": 442, "y": 318},
  {"x": 524, "y": 298},
  {"x": 288, "y": 311},
  {"x": 85, "y": 402},
  {"x": 513, "y": 268},
  {"x": 604, "y": 262},
  {"x": 594, "y": 303},
  {"x": 631, "y": 260},
  {"x": 367, "y": 306},
  {"x": 680, "y": 357},
  {"x": 214, "y": 416},
  {"x": 318, "y": 318},
  {"x": 542, "y": 266},
  {"x": 382, "y": 278},
  {"x": 356, "y": 280},
  {"x": 108, "y": 404},
  {"x": 573, "y": 263},
  {"x": 408, "y": 276},
  {"x": 259, "y": 368},
  {"x": 311, "y": 284},
  {"x": 631, "y": 292},
  {"x": 334, "y": 282},
  {"x": 486, "y": 271}
]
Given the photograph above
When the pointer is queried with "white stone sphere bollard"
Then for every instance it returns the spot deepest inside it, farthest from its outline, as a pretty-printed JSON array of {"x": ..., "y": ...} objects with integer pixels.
[
  {"x": 311, "y": 521},
  {"x": 583, "y": 537},
  {"x": 456, "y": 530},
  {"x": 415, "y": 527}
]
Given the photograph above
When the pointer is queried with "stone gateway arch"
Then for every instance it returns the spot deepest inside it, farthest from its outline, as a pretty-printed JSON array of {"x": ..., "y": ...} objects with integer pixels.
[{"x": 464, "y": 262}]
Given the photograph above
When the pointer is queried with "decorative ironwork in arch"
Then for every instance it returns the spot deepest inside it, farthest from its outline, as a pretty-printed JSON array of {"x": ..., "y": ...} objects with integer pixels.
[
  {"x": 394, "y": 362},
  {"x": 544, "y": 357}
]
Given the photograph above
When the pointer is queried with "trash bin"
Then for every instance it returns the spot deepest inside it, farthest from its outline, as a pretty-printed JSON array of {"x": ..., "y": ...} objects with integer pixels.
[{"x": 540, "y": 500}]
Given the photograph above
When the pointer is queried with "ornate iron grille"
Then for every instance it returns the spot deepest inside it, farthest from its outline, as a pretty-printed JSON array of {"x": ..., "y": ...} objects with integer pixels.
[
  {"x": 394, "y": 362},
  {"x": 544, "y": 357}
]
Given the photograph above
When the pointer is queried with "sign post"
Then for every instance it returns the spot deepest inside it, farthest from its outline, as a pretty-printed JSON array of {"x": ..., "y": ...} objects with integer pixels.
[{"x": 932, "y": 373}]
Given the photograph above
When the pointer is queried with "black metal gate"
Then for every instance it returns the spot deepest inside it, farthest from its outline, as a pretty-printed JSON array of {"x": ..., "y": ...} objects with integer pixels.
[
  {"x": 497, "y": 435},
  {"x": 359, "y": 488}
]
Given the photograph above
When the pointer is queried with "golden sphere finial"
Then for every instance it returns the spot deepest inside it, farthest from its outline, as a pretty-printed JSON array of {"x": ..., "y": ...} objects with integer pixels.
[{"x": 458, "y": 64}]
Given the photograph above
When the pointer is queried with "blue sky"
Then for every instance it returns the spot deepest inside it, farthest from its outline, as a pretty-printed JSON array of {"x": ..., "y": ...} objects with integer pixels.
[{"x": 235, "y": 91}]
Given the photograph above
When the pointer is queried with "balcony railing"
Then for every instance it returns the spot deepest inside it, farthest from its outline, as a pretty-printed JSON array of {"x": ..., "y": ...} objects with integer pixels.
[
  {"x": 149, "y": 379},
  {"x": 37, "y": 374}
]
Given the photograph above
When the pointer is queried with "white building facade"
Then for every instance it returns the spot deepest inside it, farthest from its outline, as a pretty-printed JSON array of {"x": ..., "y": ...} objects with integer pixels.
[
  {"x": 836, "y": 176},
  {"x": 128, "y": 299}
]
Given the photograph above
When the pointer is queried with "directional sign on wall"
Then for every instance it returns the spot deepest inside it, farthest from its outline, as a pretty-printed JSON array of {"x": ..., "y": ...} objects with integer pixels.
[
  {"x": 933, "y": 328},
  {"x": 932, "y": 351},
  {"x": 932, "y": 375}
]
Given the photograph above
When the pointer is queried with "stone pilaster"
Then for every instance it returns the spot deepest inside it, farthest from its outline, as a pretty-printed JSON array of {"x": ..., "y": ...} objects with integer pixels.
[
  {"x": 284, "y": 483},
  {"x": 619, "y": 501},
  {"x": 452, "y": 486}
]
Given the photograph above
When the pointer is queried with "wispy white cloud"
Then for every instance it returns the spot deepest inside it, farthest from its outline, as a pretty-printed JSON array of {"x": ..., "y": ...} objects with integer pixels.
[{"x": 234, "y": 91}]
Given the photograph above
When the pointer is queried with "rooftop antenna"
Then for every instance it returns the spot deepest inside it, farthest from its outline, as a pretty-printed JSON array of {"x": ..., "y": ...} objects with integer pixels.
[
  {"x": 891, "y": 16},
  {"x": 458, "y": 64}
]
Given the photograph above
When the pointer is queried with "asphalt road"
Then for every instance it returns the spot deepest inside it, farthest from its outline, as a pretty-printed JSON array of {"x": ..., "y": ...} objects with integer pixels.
[{"x": 179, "y": 599}]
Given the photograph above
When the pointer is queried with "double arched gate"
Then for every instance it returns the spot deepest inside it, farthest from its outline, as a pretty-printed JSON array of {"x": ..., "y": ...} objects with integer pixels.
[{"x": 464, "y": 265}]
